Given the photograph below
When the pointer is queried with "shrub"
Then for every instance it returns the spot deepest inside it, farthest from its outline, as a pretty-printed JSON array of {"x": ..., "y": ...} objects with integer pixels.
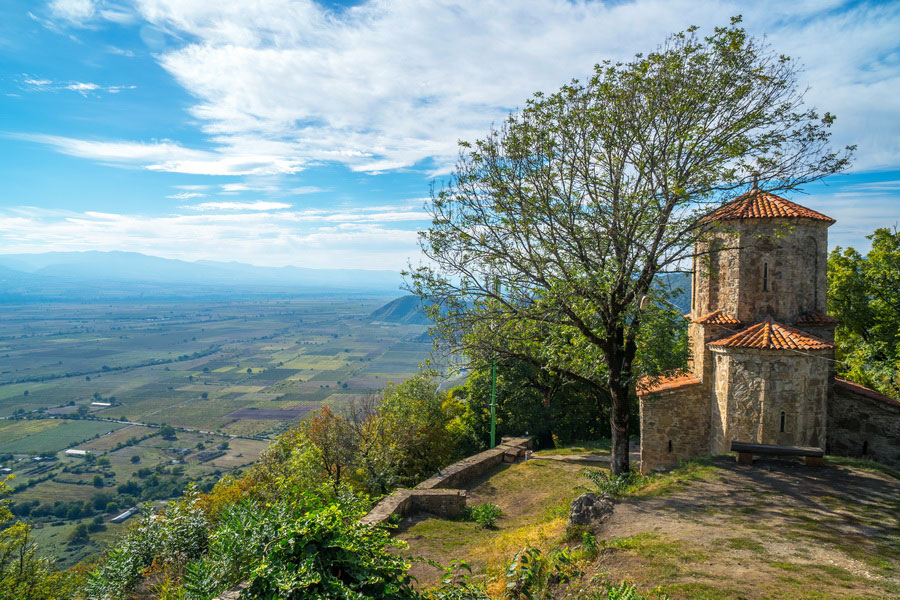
[
  {"x": 626, "y": 591},
  {"x": 616, "y": 485},
  {"x": 485, "y": 514}
]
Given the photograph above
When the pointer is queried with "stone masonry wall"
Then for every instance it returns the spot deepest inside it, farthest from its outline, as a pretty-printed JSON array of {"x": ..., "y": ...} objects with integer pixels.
[
  {"x": 460, "y": 473},
  {"x": 766, "y": 267},
  {"x": 862, "y": 425},
  {"x": 782, "y": 269},
  {"x": 674, "y": 426},
  {"x": 770, "y": 397},
  {"x": 438, "y": 494}
]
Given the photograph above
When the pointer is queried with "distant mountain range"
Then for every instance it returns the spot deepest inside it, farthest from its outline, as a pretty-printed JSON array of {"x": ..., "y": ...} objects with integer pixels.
[
  {"x": 121, "y": 275},
  {"x": 408, "y": 309}
]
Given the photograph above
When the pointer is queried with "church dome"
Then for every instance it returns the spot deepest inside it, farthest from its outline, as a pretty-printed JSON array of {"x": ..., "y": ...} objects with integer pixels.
[{"x": 756, "y": 204}]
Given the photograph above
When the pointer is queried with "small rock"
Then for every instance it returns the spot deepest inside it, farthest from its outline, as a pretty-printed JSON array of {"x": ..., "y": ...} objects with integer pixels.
[{"x": 590, "y": 508}]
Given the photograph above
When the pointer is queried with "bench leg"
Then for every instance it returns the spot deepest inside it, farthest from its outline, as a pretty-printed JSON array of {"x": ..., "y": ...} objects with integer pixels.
[
  {"x": 814, "y": 461},
  {"x": 745, "y": 458}
]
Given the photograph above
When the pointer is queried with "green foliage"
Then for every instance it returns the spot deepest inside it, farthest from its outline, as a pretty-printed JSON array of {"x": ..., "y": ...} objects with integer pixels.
[
  {"x": 626, "y": 591},
  {"x": 554, "y": 226},
  {"x": 79, "y": 535},
  {"x": 485, "y": 514},
  {"x": 168, "y": 539},
  {"x": 532, "y": 400},
  {"x": 864, "y": 293},
  {"x": 417, "y": 417},
  {"x": 23, "y": 573},
  {"x": 616, "y": 485},
  {"x": 457, "y": 584},
  {"x": 328, "y": 554},
  {"x": 531, "y": 575}
]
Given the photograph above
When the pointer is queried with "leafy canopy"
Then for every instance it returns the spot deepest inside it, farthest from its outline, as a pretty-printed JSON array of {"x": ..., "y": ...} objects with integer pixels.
[{"x": 553, "y": 227}]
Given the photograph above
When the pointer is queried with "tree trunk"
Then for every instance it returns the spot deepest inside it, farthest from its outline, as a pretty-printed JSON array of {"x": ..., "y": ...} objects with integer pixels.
[
  {"x": 618, "y": 417},
  {"x": 621, "y": 358}
]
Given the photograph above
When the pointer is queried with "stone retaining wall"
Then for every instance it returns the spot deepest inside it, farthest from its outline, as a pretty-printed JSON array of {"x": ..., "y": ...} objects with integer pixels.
[
  {"x": 460, "y": 473},
  {"x": 440, "y": 494},
  {"x": 447, "y": 503}
]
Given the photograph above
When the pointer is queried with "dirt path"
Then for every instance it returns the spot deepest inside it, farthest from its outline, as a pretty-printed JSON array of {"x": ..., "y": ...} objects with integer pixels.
[{"x": 777, "y": 529}]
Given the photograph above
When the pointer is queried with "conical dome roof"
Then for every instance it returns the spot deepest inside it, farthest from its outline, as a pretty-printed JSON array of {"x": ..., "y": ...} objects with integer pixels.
[{"x": 756, "y": 204}]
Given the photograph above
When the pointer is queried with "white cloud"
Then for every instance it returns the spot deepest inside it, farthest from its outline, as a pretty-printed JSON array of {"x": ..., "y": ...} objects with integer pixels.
[
  {"x": 86, "y": 13},
  {"x": 322, "y": 239},
  {"x": 306, "y": 189},
  {"x": 83, "y": 88},
  {"x": 74, "y": 11},
  {"x": 170, "y": 156},
  {"x": 186, "y": 195},
  {"x": 256, "y": 205},
  {"x": 281, "y": 84},
  {"x": 385, "y": 84}
]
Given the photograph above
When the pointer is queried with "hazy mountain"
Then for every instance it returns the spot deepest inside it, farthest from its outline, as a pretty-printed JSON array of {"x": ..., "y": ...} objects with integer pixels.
[
  {"x": 123, "y": 274},
  {"x": 406, "y": 309}
]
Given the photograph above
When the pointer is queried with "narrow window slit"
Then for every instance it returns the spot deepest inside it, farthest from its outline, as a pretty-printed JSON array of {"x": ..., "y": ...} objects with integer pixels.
[
  {"x": 782, "y": 421},
  {"x": 766, "y": 279},
  {"x": 670, "y": 447},
  {"x": 865, "y": 447}
]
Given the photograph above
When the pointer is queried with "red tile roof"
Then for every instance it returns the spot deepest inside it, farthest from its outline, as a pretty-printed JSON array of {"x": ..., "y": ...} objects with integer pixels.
[
  {"x": 815, "y": 317},
  {"x": 770, "y": 335},
  {"x": 863, "y": 391},
  {"x": 717, "y": 318},
  {"x": 665, "y": 382},
  {"x": 763, "y": 205}
]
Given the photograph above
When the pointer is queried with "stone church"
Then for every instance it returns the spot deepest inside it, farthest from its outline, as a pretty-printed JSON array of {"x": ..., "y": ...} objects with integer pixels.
[{"x": 761, "y": 365}]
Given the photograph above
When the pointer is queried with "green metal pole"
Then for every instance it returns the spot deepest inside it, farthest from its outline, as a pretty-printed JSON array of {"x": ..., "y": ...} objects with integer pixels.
[{"x": 493, "y": 403}]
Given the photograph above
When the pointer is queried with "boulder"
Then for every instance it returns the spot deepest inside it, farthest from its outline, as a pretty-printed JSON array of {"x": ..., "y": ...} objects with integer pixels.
[{"x": 589, "y": 509}]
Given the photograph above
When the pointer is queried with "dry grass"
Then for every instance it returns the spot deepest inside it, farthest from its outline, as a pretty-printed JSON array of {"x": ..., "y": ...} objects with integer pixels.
[{"x": 709, "y": 530}]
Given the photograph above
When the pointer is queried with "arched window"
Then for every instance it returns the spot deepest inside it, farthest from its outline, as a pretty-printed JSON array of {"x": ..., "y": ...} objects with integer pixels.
[
  {"x": 810, "y": 257},
  {"x": 714, "y": 274}
]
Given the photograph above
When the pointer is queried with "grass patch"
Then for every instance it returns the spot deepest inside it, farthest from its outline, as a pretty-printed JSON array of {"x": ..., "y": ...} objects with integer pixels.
[
  {"x": 863, "y": 465},
  {"x": 745, "y": 543},
  {"x": 660, "y": 484},
  {"x": 601, "y": 446}
]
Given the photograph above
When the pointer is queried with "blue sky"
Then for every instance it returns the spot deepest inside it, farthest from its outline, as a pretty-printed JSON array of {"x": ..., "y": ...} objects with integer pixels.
[{"x": 294, "y": 132}]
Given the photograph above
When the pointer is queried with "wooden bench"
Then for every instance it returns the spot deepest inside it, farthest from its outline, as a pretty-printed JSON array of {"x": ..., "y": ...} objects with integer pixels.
[{"x": 814, "y": 457}]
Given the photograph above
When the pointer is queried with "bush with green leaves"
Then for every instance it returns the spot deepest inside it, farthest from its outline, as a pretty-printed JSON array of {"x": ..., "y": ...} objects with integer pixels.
[
  {"x": 532, "y": 575},
  {"x": 627, "y": 591},
  {"x": 167, "y": 539},
  {"x": 485, "y": 514},
  {"x": 616, "y": 485}
]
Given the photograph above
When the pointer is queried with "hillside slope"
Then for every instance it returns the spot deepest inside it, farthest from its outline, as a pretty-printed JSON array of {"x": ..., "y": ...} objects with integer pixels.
[
  {"x": 713, "y": 530},
  {"x": 406, "y": 310}
]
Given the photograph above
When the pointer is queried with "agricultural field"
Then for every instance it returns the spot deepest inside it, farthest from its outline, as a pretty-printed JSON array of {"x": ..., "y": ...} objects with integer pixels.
[{"x": 111, "y": 378}]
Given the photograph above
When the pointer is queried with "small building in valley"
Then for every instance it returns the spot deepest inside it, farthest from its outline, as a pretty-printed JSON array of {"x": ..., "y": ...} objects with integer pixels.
[{"x": 762, "y": 348}]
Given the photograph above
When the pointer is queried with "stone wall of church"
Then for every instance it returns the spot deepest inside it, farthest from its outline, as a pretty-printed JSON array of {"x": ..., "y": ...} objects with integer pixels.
[
  {"x": 716, "y": 277},
  {"x": 782, "y": 269},
  {"x": 769, "y": 397},
  {"x": 863, "y": 426},
  {"x": 674, "y": 425},
  {"x": 765, "y": 267}
]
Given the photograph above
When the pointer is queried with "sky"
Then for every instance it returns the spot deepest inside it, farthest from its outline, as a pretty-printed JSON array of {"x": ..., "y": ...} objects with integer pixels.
[{"x": 297, "y": 132}]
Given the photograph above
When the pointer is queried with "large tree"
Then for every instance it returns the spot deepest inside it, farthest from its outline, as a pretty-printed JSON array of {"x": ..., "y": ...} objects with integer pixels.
[
  {"x": 552, "y": 228},
  {"x": 864, "y": 293}
]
